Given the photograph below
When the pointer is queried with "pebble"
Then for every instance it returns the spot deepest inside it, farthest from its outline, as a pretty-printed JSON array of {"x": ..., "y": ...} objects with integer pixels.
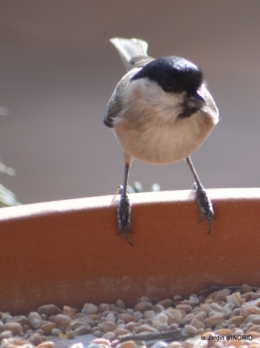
[
  {"x": 62, "y": 320},
  {"x": 82, "y": 330},
  {"x": 166, "y": 303},
  {"x": 69, "y": 311},
  {"x": 120, "y": 304},
  {"x": 2, "y": 326},
  {"x": 127, "y": 344},
  {"x": 89, "y": 308},
  {"x": 222, "y": 313},
  {"x": 49, "y": 309},
  {"x": 36, "y": 339},
  {"x": 48, "y": 327},
  {"x": 143, "y": 306},
  {"x": 107, "y": 326},
  {"x": 46, "y": 344},
  {"x": 14, "y": 327},
  {"x": 35, "y": 320},
  {"x": 5, "y": 334}
]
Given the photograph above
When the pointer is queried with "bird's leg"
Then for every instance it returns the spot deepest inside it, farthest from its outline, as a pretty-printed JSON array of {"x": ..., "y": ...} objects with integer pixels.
[
  {"x": 124, "y": 207},
  {"x": 203, "y": 201}
]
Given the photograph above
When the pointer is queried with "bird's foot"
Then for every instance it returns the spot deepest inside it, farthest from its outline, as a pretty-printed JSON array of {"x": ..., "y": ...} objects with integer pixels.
[
  {"x": 204, "y": 204},
  {"x": 124, "y": 216}
]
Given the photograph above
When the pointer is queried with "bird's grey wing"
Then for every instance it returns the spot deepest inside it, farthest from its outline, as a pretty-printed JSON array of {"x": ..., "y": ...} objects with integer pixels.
[{"x": 115, "y": 104}]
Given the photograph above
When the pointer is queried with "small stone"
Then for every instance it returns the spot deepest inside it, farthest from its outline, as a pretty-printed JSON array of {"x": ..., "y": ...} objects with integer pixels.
[
  {"x": 174, "y": 345},
  {"x": 236, "y": 299},
  {"x": 77, "y": 323},
  {"x": 52, "y": 318},
  {"x": 15, "y": 342},
  {"x": 201, "y": 316},
  {"x": 121, "y": 331},
  {"x": 173, "y": 326},
  {"x": 174, "y": 315},
  {"x": 250, "y": 310},
  {"x": 109, "y": 336},
  {"x": 46, "y": 344},
  {"x": 5, "y": 317},
  {"x": 77, "y": 345},
  {"x": 111, "y": 317},
  {"x": 62, "y": 320},
  {"x": 100, "y": 341},
  {"x": 94, "y": 345},
  {"x": 205, "y": 308},
  {"x": 71, "y": 334},
  {"x": 166, "y": 303},
  {"x": 145, "y": 328},
  {"x": 21, "y": 319},
  {"x": 254, "y": 319},
  {"x": 158, "y": 308},
  {"x": 97, "y": 334},
  {"x": 160, "y": 344},
  {"x": 49, "y": 309},
  {"x": 40, "y": 331},
  {"x": 2, "y": 326},
  {"x": 161, "y": 318},
  {"x": 120, "y": 304},
  {"x": 130, "y": 326},
  {"x": 227, "y": 309},
  {"x": 44, "y": 316},
  {"x": 244, "y": 288},
  {"x": 48, "y": 327},
  {"x": 56, "y": 332},
  {"x": 143, "y": 306},
  {"x": 114, "y": 343},
  {"x": 215, "y": 319},
  {"x": 177, "y": 298},
  {"x": 126, "y": 344},
  {"x": 184, "y": 307},
  {"x": 5, "y": 334},
  {"x": 148, "y": 314},
  {"x": 69, "y": 311},
  {"x": 237, "y": 320},
  {"x": 216, "y": 307},
  {"x": 35, "y": 320},
  {"x": 137, "y": 316},
  {"x": 128, "y": 318},
  {"x": 82, "y": 330},
  {"x": 221, "y": 295},
  {"x": 223, "y": 332},
  {"x": 103, "y": 307},
  {"x": 162, "y": 327},
  {"x": 36, "y": 339},
  {"x": 107, "y": 326},
  {"x": 89, "y": 308},
  {"x": 145, "y": 299},
  {"x": 187, "y": 319},
  {"x": 190, "y": 330},
  {"x": 16, "y": 328},
  {"x": 197, "y": 324}
]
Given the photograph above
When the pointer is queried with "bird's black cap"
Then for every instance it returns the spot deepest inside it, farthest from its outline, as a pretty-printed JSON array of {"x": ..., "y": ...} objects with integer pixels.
[{"x": 173, "y": 74}]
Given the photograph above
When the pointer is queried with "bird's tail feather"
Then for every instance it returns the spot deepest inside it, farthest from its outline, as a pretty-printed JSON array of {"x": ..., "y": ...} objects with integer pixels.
[{"x": 129, "y": 48}]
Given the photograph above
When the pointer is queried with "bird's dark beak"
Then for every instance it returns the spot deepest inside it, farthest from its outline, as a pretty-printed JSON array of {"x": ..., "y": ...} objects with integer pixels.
[{"x": 198, "y": 96}]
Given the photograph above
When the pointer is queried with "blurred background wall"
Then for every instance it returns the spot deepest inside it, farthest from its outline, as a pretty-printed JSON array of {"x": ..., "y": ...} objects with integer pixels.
[{"x": 58, "y": 70}]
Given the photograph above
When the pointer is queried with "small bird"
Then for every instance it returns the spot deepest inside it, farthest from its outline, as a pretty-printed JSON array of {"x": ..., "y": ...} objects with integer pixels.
[{"x": 161, "y": 112}]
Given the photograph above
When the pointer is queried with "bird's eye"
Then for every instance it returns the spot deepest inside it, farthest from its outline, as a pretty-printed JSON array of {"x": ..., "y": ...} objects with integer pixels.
[{"x": 167, "y": 87}]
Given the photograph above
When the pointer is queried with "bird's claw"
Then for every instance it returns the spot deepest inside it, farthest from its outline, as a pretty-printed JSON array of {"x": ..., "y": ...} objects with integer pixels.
[
  {"x": 124, "y": 217},
  {"x": 204, "y": 204}
]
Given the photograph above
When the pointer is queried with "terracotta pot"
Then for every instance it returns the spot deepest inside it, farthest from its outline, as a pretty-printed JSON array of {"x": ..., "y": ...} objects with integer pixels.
[{"x": 67, "y": 252}]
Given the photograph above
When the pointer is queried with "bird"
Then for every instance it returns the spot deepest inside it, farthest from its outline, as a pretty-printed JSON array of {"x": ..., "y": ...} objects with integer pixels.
[{"x": 160, "y": 111}]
